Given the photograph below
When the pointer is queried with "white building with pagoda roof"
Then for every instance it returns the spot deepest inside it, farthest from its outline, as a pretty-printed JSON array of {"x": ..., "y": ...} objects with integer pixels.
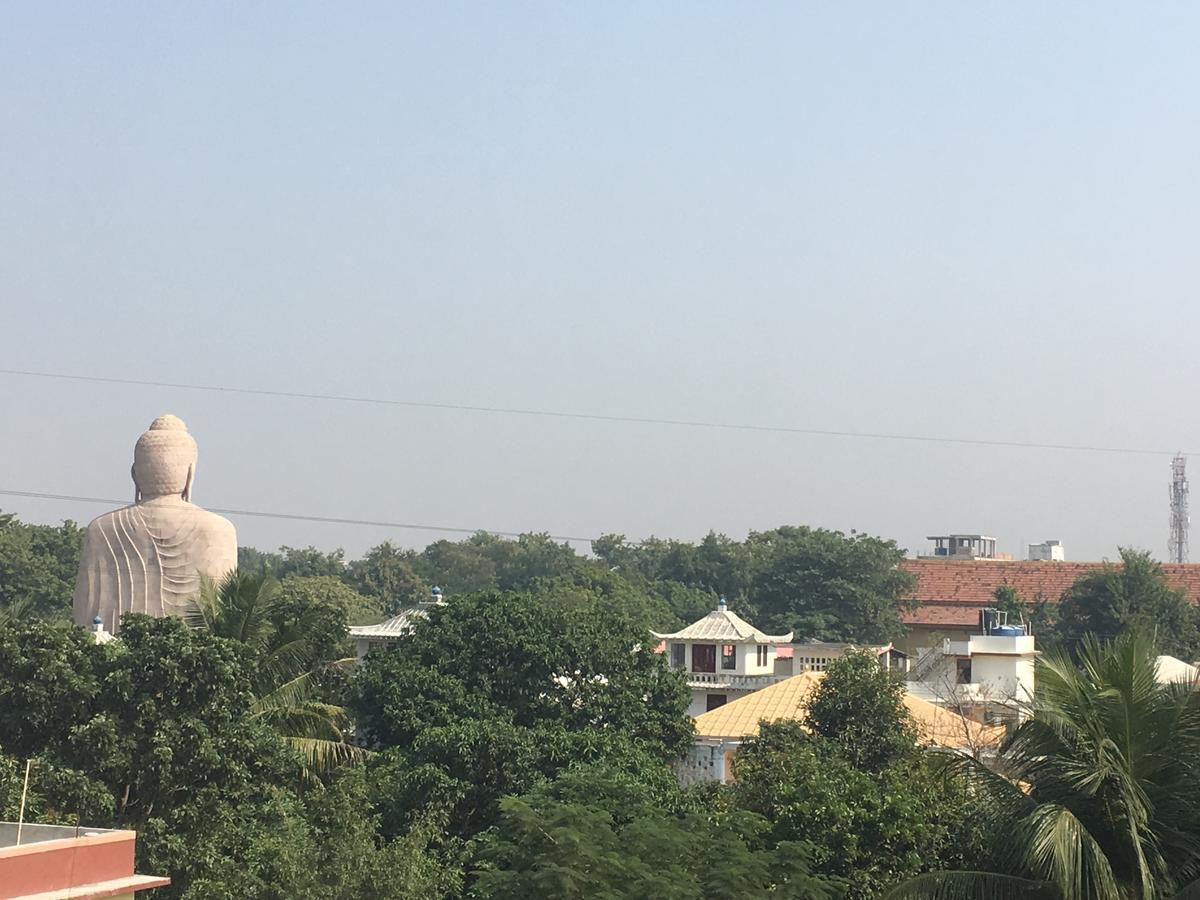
[
  {"x": 724, "y": 657},
  {"x": 368, "y": 637}
]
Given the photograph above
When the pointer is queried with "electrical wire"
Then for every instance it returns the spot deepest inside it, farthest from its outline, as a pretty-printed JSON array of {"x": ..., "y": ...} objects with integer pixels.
[
  {"x": 329, "y": 520},
  {"x": 594, "y": 417}
]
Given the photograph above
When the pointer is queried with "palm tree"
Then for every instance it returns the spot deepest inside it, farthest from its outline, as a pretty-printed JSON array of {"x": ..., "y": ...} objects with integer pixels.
[
  {"x": 16, "y": 611},
  {"x": 286, "y": 679},
  {"x": 1101, "y": 792}
]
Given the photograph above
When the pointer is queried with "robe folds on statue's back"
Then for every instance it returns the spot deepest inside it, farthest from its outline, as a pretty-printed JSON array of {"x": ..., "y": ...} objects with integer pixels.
[{"x": 148, "y": 558}]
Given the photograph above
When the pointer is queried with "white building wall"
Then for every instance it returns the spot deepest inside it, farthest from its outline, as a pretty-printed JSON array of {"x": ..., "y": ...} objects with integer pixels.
[
  {"x": 706, "y": 762},
  {"x": 749, "y": 653},
  {"x": 1000, "y": 677},
  {"x": 745, "y": 658},
  {"x": 1002, "y": 669},
  {"x": 1049, "y": 551}
]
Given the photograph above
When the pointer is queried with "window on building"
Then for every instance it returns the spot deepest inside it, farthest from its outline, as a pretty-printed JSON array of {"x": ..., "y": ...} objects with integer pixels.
[
  {"x": 728, "y": 656},
  {"x": 963, "y": 670},
  {"x": 761, "y": 657},
  {"x": 704, "y": 657},
  {"x": 715, "y": 700},
  {"x": 678, "y": 655}
]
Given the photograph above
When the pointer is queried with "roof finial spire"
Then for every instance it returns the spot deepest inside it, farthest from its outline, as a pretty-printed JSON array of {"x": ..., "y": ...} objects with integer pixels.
[{"x": 722, "y": 605}]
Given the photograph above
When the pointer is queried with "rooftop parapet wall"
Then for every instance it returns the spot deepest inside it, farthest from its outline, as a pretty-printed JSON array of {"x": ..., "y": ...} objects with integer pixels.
[{"x": 55, "y": 861}]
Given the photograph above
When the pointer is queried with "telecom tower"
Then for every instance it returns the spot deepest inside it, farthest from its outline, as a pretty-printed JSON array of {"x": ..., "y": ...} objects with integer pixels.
[{"x": 1178, "y": 550}]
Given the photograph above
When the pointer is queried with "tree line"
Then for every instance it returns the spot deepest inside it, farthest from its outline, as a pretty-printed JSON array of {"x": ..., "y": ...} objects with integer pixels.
[{"x": 520, "y": 741}]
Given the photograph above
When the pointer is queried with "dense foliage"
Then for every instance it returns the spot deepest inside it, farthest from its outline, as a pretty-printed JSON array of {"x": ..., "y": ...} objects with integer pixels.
[
  {"x": 495, "y": 691},
  {"x": 155, "y": 732},
  {"x": 819, "y": 583},
  {"x": 37, "y": 564},
  {"x": 1135, "y": 595},
  {"x": 860, "y": 708},
  {"x": 520, "y": 741},
  {"x": 591, "y": 833}
]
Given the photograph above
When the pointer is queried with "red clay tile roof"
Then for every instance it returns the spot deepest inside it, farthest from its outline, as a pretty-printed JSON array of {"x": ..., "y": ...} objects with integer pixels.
[{"x": 953, "y": 591}]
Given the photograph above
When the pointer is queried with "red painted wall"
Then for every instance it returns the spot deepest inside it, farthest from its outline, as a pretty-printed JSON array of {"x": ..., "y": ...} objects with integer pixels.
[{"x": 58, "y": 865}]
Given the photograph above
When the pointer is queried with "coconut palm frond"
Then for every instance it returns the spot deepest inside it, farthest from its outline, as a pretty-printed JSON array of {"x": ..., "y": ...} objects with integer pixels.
[
  {"x": 1054, "y": 844},
  {"x": 1188, "y": 892},
  {"x": 968, "y": 886},
  {"x": 320, "y": 756},
  {"x": 16, "y": 611},
  {"x": 244, "y": 607}
]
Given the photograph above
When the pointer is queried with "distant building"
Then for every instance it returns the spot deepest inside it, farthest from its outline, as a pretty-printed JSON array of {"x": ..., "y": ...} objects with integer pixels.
[
  {"x": 724, "y": 657},
  {"x": 987, "y": 677},
  {"x": 951, "y": 594},
  {"x": 1047, "y": 551},
  {"x": 369, "y": 637},
  {"x": 721, "y": 732},
  {"x": 963, "y": 546},
  {"x": 54, "y": 862}
]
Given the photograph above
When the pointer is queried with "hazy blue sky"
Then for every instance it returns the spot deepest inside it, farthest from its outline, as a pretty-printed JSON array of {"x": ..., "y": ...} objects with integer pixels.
[{"x": 962, "y": 219}]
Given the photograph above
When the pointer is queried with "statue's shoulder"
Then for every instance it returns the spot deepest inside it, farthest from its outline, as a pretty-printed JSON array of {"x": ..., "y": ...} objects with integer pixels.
[
  {"x": 218, "y": 523},
  {"x": 105, "y": 520}
]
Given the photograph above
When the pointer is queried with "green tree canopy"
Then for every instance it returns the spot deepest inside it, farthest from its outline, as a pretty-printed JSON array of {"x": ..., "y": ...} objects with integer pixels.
[
  {"x": 592, "y": 833},
  {"x": 496, "y": 689},
  {"x": 1135, "y": 595},
  {"x": 156, "y": 731},
  {"x": 387, "y": 574},
  {"x": 860, "y": 707},
  {"x": 307, "y": 562},
  {"x": 38, "y": 564},
  {"x": 870, "y": 830},
  {"x": 821, "y": 584}
]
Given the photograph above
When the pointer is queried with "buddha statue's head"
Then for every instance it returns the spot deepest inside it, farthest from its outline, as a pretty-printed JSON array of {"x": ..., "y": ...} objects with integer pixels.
[{"x": 164, "y": 461}]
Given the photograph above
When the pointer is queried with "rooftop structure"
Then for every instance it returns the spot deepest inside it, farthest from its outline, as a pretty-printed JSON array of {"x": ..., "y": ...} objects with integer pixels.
[
  {"x": 962, "y": 546},
  {"x": 1047, "y": 551},
  {"x": 723, "y": 625},
  {"x": 723, "y": 656},
  {"x": 99, "y": 635},
  {"x": 367, "y": 637},
  {"x": 721, "y": 732},
  {"x": 56, "y": 862},
  {"x": 988, "y": 676}
]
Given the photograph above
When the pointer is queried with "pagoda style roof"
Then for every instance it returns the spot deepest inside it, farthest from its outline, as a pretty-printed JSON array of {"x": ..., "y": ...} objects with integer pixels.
[
  {"x": 400, "y": 624},
  {"x": 723, "y": 626}
]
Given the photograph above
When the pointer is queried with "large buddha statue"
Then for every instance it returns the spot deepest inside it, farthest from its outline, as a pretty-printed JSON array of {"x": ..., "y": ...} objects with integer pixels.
[{"x": 148, "y": 557}]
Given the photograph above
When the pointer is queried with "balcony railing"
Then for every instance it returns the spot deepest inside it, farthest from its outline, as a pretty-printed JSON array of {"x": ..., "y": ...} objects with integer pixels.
[{"x": 729, "y": 680}]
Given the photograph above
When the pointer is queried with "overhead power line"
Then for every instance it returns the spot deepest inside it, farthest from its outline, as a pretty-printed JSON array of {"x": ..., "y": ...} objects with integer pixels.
[
  {"x": 329, "y": 520},
  {"x": 594, "y": 417}
]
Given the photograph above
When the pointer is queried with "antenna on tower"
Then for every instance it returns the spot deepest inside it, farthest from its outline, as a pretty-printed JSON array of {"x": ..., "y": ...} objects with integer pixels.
[{"x": 1178, "y": 549}]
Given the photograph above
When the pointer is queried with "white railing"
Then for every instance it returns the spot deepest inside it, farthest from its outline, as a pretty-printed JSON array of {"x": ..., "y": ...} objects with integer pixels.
[{"x": 745, "y": 682}]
